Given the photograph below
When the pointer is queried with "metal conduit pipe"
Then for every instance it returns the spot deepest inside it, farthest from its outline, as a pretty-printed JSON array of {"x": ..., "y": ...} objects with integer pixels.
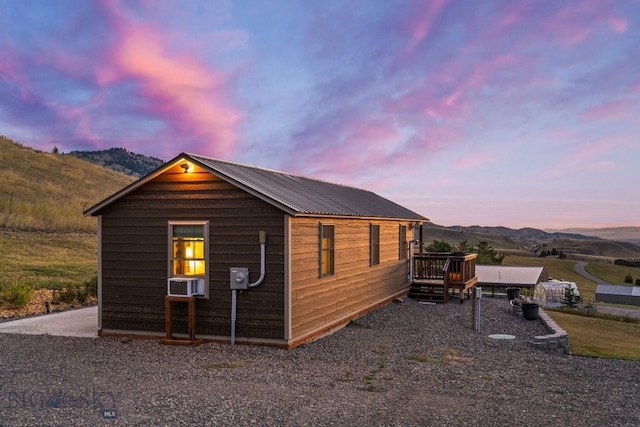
[
  {"x": 234, "y": 299},
  {"x": 234, "y": 293},
  {"x": 263, "y": 268},
  {"x": 411, "y": 260}
]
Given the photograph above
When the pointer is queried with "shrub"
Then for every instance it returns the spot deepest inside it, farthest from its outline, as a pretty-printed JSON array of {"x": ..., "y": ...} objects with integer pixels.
[
  {"x": 73, "y": 293},
  {"x": 18, "y": 294},
  {"x": 569, "y": 297},
  {"x": 91, "y": 286},
  {"x": 638, "y": 282},
  {"x": 66, "y": 295},
  {"x": 628, "y": 278},
  {"x": 82, "y": 293}
]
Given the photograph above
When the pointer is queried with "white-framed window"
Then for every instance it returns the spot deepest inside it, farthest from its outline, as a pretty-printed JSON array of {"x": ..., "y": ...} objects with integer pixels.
[{"x": 189, "y": 250}]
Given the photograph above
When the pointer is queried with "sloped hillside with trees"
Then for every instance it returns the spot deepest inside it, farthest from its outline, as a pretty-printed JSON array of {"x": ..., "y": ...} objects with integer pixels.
[{"x": 120, "y": 160}]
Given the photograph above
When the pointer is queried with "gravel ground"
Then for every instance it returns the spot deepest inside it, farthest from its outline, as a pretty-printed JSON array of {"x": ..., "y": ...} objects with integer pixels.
[{"x": 404, "y": 364}]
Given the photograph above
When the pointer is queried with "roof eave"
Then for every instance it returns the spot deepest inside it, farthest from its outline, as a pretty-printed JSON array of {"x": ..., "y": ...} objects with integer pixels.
[
  {"x": 93, "y": 211},
  {"x": 371, "y": 218}
]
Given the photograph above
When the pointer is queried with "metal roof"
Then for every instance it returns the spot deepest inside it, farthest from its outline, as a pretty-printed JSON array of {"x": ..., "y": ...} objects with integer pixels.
[
  {"x": 506, "y": 275},
  {"x": 296, "y": 195},
  {"x": 618, "y": 290}
]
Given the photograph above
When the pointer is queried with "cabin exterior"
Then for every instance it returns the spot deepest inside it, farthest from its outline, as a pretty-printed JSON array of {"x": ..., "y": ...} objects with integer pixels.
[{"x": 332, "y": 253}]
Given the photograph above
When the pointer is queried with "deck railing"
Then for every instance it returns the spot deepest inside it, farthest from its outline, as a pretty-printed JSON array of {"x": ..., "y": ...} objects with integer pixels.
[{"x": 453, "y": 269}]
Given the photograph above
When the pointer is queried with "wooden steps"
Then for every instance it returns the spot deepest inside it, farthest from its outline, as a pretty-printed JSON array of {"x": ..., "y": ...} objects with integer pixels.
[{"x": 429, "y": 290}]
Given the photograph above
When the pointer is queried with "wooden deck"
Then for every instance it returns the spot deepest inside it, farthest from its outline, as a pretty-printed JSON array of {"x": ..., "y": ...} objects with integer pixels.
[{"x": 437, "y": 276}]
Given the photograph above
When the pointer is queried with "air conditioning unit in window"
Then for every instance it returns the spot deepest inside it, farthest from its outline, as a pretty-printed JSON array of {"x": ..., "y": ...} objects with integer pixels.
[{"x": 185, "y": 287}]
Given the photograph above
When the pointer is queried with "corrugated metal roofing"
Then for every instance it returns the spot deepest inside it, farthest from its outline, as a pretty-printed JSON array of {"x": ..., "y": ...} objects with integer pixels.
[
  {"x": 507, "y": 275},
  {"x": 631, "y": 291},
  {"x": 295, "y": 195}
]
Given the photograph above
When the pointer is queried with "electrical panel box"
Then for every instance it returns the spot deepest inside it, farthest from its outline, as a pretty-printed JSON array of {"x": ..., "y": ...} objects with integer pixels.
[
  {"x": 239, "y": 278},
  {"x": 185, "y": 287}
]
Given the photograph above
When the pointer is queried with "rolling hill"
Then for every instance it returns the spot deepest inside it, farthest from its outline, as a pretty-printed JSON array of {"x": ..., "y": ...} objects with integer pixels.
[
  {"x": 620, "y": 234},
  {"x": 120, "y": 160},
  {"x": 530, "y": 241},
  {"x": 42, "y": 191}
]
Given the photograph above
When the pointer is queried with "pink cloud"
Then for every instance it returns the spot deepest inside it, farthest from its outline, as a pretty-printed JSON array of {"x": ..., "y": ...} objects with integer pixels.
[
  {"x": 591, "y": 154},
  {"x": 347, "y": 140},
  {"x": 613, "y": 110},
  {"x": 420, "y": 23},
  {"x": 472, "y": 159},
  {"x": 190, "y": 97},
  {"x": 439, "y": 102},
  {"x": 574, "y": 24},
  {"x": 603, "y": 166}
]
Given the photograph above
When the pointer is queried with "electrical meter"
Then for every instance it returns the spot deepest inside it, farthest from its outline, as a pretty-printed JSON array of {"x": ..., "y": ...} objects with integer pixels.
[{"x": 239, "y": 278}]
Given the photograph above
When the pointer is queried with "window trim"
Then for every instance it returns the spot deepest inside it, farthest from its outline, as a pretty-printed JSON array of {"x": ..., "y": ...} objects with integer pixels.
[
  {"x": 207, "y": 259},
  {"x": 330, "y": 250},
  {"x": 403, "y": 247},
  {"x": 374, "y": 244}
]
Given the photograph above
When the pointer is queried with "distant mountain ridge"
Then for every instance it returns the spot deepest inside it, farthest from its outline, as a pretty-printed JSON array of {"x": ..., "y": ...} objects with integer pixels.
[
  {"x": 120, "y": 160},
  {"x": 532, "y": 240},
  {"x": 619, "y": 234},
  {"x": 524, "y": 233}
]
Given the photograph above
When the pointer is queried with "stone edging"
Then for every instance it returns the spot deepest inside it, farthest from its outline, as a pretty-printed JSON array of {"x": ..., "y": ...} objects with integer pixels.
[{"x": 555, "y": 342}]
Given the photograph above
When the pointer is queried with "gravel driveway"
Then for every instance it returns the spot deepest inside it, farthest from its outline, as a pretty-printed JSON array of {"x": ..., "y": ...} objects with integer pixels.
[{"x": 404, "y": 364}]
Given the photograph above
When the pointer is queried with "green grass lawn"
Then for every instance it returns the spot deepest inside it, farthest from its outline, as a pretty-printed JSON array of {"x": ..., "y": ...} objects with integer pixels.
[
  {"x": 595, "y": 337},
  {"x": 612, "y": 273},
  {"x": 47, "y": 260},
  {"x": 589, "y": 336}
]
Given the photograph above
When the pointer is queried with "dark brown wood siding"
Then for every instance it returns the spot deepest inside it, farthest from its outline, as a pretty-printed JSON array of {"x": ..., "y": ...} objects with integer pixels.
[
  {"x": 317, "y": 302},
  {"x": 135, "y": 256}
]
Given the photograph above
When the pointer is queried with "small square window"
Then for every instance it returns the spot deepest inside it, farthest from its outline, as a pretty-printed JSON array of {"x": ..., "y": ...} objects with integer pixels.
[{"x": 188, "y": 249}]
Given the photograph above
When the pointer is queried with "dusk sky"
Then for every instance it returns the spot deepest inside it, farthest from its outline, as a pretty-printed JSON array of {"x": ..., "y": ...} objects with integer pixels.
[{"x": 513, "y": 113}]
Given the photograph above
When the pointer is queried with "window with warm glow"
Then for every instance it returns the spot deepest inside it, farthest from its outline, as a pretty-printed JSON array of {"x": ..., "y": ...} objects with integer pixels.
[{"x": 188, "y": 249}]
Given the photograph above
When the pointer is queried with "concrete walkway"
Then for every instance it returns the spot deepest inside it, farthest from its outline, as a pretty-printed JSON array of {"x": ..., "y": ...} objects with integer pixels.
[{"x": 73, "y": 323}]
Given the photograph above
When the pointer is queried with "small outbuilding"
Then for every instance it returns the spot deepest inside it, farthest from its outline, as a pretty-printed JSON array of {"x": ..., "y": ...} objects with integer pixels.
[
  {"x": 552, "y": 293},
  {"x": 501, "y": 276},
  {"x": 263, "y": 257},
  {"x": 617, "y": 294}
]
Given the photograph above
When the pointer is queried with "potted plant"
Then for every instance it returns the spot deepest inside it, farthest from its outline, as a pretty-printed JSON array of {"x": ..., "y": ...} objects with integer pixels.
[
  {"x": 530, "y": 308},
  {"x": 513, "y": 293},
  {"x": 516, "y": 306}
]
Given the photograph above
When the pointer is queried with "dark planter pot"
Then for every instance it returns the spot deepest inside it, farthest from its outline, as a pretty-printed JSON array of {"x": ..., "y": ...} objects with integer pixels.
[
  {"x": 513, "y": 293},
  {"x": 530, "y": 311},
  {"x": 517, "y": 309}
]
